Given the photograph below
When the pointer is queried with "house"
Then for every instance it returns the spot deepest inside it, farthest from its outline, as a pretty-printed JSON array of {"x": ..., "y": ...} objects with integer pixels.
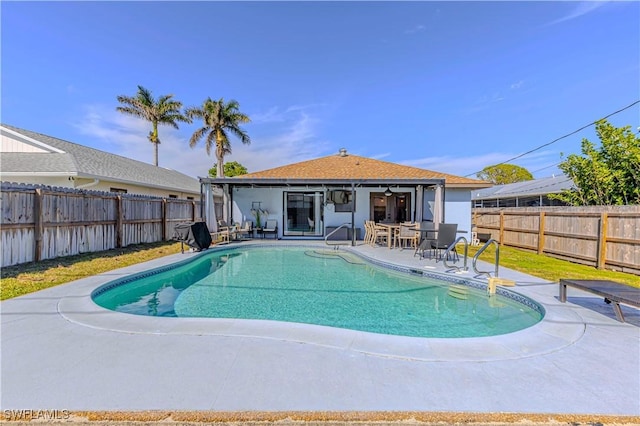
[
  {"x": 530, "y": 193},
  {"x": 29, "y": 157},
  {"x": 311, "y": 198}
]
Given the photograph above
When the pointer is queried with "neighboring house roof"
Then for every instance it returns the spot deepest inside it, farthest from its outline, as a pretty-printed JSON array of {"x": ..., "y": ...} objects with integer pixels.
[
  {"x": 529, "y": 188},
  {"x": 60, "y": 157},
  {"x": 343, "y": 167}
]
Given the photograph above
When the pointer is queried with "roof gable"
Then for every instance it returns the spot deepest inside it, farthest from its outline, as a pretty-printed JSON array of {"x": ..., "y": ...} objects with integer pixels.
[
  {"x": 348, "y": 166},
  {"x": 84, "y": 161}
]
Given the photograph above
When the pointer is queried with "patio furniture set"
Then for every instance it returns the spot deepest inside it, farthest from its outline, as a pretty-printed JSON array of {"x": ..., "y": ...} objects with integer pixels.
[
  {"x": 422, "y": 237},
  {"x": 236, "y": 232}
]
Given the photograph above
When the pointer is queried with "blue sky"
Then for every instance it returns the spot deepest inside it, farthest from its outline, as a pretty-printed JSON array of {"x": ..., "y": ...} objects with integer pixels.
[{"x": 446, "y": 86}]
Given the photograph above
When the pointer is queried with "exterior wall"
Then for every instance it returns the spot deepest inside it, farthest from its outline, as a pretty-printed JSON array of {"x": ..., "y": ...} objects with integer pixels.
[
  {"x": 457, "y": 206},
  {"x": 10, "y": 144},
  {"x": 457, "y": 209},
  {"x": 105, "y": 186}
]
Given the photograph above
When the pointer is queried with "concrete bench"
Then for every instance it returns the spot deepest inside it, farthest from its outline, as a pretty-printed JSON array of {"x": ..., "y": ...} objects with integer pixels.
[{"x": 612, "y": 292}]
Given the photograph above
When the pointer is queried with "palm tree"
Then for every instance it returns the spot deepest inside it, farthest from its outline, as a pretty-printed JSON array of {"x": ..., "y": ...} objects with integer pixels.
[
  {"x": 164, "y": 110},
  {"x": 219, "y": 119}
]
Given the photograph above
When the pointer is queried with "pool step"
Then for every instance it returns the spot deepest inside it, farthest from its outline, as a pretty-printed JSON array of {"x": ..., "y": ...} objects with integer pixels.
[
  {"x": 459, "y": 291},
  {"x": 347, "y": 257}
]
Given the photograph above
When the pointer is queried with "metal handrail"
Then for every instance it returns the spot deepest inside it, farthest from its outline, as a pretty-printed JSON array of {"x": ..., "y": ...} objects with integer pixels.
[
  {"x": 326, "y": 238},
  {"x": 483, "y": 248},
  {"x": 453, "y": 247}
]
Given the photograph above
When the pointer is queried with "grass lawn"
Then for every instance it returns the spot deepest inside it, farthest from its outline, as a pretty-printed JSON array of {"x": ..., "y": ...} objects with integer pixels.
[
  {"x": 27, "y": 278},
  {"x": 549, "y": 268}
]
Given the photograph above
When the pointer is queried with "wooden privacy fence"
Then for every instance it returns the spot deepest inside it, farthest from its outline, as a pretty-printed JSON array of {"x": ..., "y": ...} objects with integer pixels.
[
  {"x": 601, "y": 236},
  {"x": 40, "y": 222}
]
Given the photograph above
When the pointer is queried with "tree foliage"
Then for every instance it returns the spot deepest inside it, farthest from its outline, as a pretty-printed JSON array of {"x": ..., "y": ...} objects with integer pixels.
[
  {"x": 501, "y": 174},
  {"x": 163, "y": 110},
  {"x": 608, "y": 175},
  {"x": 219, "y": 119},
  {"x": 232, "y": 168}
]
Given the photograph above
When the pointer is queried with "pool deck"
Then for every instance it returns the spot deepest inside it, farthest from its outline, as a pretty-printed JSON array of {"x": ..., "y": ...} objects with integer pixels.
[{"x": 61, "y": 351}]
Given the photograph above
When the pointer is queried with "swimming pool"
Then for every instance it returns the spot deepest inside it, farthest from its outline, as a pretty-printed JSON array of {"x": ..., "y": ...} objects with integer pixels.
[{"x": 322, "y": 287}]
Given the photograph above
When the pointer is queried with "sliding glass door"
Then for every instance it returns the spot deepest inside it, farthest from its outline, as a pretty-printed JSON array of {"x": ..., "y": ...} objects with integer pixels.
[{"x": 303, "y": 214}]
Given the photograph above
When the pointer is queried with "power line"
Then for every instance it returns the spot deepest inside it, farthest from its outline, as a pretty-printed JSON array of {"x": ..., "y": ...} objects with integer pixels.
[
  {"x": 544, "y": 168},
  {"x": 561, "y": 137}
]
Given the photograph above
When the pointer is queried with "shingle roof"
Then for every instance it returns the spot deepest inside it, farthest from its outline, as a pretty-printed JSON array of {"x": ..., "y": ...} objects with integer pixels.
[
  {"x": 355, "y": 167},
  {"x": 93, "y": 163},
  {"x": 527, "y": 188}
]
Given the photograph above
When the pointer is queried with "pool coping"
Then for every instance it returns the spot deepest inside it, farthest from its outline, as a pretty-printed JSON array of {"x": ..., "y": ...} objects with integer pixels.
[{"x": 559, "y": 328}]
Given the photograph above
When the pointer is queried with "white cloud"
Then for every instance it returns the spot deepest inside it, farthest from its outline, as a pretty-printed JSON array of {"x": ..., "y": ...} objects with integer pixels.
[
  {"x": 417, "y": 29},
  {"x": 580, "y": 9},
  {"x": 294, "y": 140},
  {"x": 470, "y": 165},
  {"x": 517, "y": 85}
]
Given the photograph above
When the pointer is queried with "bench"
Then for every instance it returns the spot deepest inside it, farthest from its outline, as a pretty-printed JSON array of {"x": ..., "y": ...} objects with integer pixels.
[{"x": 612, "y": 292}]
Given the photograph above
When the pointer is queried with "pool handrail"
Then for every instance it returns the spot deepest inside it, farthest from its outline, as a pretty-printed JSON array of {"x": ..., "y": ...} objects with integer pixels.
[
  {"x": 326, "y": 238},
  {"x": 452, "y": 247},
  {"x": 497, "y": 258}
]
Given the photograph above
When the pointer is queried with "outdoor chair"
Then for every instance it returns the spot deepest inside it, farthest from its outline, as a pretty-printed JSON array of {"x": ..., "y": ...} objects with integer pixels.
[
  {"x": 408, "y": 234},
  {"x": 446, "y": 237},
  {"x": 243, "y": 232},
  {"x": 311, "y": 224},
  {"x": 380, "y": 234},
  {"x": 368, "y": 231},
  {"x": 270, "y": 227},
  {"x": 428, "y": 229}
]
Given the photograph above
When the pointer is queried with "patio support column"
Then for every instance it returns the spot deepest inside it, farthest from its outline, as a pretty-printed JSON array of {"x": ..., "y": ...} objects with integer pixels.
[
  {"x": 419, "y": 203},
  {"x": 353, "y": 214},
  {"x": 209, "y": 208}
]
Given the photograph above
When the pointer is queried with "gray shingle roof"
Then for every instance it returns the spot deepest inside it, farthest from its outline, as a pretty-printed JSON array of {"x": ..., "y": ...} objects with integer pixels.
[
  {"x": 93, "y": 163},
  {"x": 527, "y": 188}
]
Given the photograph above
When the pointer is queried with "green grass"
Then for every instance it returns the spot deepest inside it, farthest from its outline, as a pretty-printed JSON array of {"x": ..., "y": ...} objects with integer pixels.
[
  {"x": 550, "y": 268},
  {"x": 29, "y": 277}
]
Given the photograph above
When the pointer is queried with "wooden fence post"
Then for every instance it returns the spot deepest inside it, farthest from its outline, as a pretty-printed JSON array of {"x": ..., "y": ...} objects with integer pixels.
[
  {"x": 119, "y": 214},
  {"x": 164, "y": 219},
  {"x": 501, "y": 228},
  {"x": 39, "y": 225},
  {"x": 602, "y": 241},
  {"x": 541, "y": 222}
]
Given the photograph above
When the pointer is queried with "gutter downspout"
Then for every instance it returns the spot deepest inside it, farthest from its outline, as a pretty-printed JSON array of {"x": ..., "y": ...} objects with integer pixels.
[{"x": 88, "y": 185}]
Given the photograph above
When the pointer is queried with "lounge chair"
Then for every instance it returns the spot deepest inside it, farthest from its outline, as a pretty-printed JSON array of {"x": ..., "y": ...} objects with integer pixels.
[{"x": 270, "y": 227}]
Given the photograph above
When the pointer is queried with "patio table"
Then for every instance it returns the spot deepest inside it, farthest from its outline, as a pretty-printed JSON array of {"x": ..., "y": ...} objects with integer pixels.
[{"x": 393, "y": 228}]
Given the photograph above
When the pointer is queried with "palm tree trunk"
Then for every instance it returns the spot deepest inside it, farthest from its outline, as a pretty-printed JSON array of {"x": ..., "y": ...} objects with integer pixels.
[
  {"x": 220, "y": 166},
  {"x": 219, "y": 154},
  {"x": 155, "y": 142},
  {"x": 155, "y": 153}
]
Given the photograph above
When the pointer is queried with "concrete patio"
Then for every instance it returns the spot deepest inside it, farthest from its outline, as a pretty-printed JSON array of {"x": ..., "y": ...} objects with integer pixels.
[{"x": 61, "y": 351}]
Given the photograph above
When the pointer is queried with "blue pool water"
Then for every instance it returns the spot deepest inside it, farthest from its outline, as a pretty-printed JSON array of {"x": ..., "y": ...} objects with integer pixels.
[{"x": 316, "y": 286}]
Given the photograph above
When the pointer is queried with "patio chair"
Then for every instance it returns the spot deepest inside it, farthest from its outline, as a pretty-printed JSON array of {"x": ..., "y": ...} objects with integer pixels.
[
  {"x": 408, "y": 234},
  {"x": 368, "y": 231},
  {"x": 428, "y": 229},
  {"x": 270, "y": 227},
  {"x": 379, "y": 234},
  {"x": 311, "y": 224},
  {"x": 243, "y": 232},
  {"x": 446, "y": 237}
]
